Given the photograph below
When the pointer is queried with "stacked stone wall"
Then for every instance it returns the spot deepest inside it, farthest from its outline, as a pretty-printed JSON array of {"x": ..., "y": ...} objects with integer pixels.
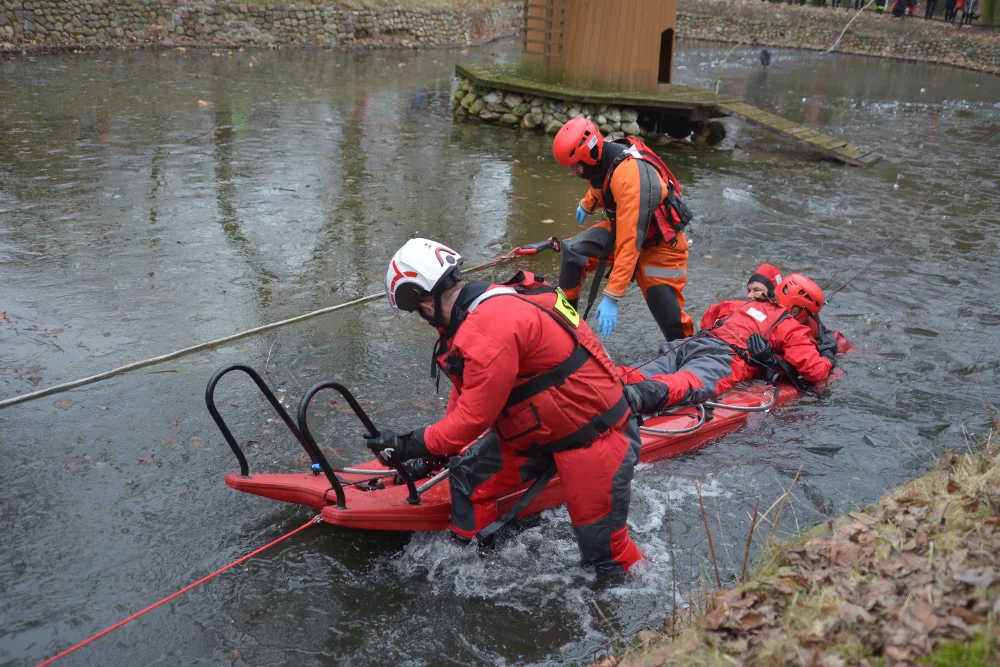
[
  {"x": 754, "y": 23},
  {"x": 542, "y": 114},
  {"x": 69, "y": 23},
  {"x": 87, "y": 22}
]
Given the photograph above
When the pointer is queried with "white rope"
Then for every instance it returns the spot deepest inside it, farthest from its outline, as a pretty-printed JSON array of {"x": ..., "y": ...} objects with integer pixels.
[
  {"x": 723, "y": 64},
  {"x": 830, "y": 50},
  {"x": 66, "y": 386}
]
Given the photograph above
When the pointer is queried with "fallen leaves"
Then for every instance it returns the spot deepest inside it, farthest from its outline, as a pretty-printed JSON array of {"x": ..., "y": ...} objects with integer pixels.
[
  {"x": 919, "y": 569},
  {"x": 194, "y": 442},
  {"x": 76, "y": 464},
  {"x": 202, "y": 103},
  {"x": 982, "y": 576},
  {"x": 63, "y": 405}
]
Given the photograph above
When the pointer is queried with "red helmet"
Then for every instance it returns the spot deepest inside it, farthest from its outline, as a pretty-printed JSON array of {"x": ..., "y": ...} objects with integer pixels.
[
  {"x": 797, "y": 290},
  {"x": 579, "y": 140}
]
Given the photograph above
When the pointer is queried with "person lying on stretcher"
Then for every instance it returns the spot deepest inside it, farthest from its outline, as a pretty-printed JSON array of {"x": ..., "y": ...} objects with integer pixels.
[{"x": 775, "y": 328}]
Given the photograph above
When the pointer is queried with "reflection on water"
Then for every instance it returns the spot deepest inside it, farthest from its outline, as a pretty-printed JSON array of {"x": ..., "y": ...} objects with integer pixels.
[{"x": 149, "y": 201}]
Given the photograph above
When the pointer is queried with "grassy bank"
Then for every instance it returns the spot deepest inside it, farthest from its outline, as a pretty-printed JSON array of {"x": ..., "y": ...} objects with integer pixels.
[{"x": 912, "y": 579}]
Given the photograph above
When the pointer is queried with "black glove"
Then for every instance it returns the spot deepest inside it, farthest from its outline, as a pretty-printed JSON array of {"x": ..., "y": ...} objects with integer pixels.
[
  {"x": 763, "y": 354},
  {"x": 422, "y": 467},
  {"x": 647, "y": 397},
  {"x": 391, "y": 449},
  {"x": 826, "y": 343}
]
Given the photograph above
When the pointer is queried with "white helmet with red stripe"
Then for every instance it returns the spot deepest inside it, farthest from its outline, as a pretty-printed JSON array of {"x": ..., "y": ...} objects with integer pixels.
[{"x": 420, "y": 267}]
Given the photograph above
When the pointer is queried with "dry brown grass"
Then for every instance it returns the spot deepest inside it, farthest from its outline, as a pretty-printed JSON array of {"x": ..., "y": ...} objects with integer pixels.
[{"x": 914, "y": 577}]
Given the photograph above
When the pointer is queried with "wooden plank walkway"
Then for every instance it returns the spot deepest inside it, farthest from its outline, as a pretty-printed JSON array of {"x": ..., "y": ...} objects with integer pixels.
[
  {"x": 506, "y": 77},
  {"x": 838, "y": 149},
  {"x": 697, "y": 103}
]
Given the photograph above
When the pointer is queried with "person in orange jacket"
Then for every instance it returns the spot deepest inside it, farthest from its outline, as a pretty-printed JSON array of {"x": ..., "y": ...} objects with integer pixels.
[
  {"x": 642, "y": 238},
  {"x": 740, "y": 340},
  {"x": 528, "y": 370}
]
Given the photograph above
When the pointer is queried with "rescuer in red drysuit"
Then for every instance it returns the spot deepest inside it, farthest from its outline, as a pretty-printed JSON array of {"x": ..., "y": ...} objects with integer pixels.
[
  {"x": 528, "y": 369},
  {"x": 739, "y": 341}
]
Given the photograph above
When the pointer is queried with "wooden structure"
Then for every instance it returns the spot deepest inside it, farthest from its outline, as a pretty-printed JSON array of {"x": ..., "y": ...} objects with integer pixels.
[
  {"x": 607, "y": 44},
  {"x": 688, "y": 102}
]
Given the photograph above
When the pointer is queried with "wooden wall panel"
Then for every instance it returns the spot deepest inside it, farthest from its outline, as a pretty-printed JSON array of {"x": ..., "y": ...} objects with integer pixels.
[{"x": 609, "y": 43}]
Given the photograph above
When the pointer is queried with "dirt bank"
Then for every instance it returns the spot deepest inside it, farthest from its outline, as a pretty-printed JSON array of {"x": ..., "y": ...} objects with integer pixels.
[{"x": 914, "y": 578}]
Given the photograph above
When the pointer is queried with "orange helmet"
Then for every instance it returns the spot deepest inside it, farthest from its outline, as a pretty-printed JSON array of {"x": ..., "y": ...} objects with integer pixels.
[
  {"x": 579, "y": 140},
  {"x": 797, "y": 290}
]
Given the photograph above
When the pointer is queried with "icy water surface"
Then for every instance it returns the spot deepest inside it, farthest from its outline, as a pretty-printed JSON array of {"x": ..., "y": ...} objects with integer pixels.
[{"x": 149, "y": 201}]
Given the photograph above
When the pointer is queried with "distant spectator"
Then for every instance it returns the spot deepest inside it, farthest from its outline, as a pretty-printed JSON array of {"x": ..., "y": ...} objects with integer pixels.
[
  {"x": 968, "y": 12},
  {"x": 899, "y": 9},
  {"x": 929, "y": 12},
  {"x": 959, "y": 5},
  {"x": 949, "y": 10}
]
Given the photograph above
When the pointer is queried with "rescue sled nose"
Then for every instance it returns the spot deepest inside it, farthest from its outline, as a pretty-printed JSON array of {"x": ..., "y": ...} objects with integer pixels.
[{"x": 310, "y": 488}]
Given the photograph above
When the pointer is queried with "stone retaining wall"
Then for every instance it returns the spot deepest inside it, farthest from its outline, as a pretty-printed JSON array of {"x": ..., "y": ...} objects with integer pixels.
[
  {"x": 83, "y": 22},
  {"x": 532, "y": 112},
  {"x": 67, "y": 23},
  {"x": 794, "y": 26}
]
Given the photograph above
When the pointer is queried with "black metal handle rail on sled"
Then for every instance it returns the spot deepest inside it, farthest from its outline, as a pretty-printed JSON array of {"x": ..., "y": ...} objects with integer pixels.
[
  {"x": 413, "y": 498},
  {"x": 300, "y": 431}
]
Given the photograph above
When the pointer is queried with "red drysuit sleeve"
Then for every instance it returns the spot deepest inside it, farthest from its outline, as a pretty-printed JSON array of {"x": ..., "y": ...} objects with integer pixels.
[
  {"x": 793, "y": 342},
  {"x": 490, "y": 371}
]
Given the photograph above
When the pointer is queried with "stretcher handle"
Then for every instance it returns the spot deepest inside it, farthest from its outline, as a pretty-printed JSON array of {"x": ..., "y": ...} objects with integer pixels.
[
  {"x": 551, "y": 243},
  {"x": 268, "y": 394},
  {"x": 373, "y": 432}
]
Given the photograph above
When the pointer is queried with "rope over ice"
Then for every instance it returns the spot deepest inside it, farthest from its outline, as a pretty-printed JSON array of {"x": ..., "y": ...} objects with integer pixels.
[{"x": 66, "y": 386}]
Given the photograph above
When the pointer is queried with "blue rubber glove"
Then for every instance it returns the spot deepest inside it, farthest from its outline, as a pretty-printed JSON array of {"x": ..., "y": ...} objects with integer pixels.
[
  {"x": 607, "y": 316},
  {"x": 581, "y": 214}
]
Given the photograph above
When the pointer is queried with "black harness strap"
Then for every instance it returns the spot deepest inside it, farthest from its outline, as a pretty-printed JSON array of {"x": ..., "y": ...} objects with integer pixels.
[
  {"x": 557, "y": 375},
  {"x": 585, "y": 434},
  {"x": 528, "y": 496},
  {"x": 783, "y": 367},
  {"x": 550, "y": 378},
  {"x": 602, "y": 264}
]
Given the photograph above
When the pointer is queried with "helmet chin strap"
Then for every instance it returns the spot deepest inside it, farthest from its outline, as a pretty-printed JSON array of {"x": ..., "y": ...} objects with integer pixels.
[{"x": 436, "y": 320}]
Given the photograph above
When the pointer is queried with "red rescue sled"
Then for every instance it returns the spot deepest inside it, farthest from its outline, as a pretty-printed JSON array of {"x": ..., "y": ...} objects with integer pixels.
[{"x": 372, "y": 497}]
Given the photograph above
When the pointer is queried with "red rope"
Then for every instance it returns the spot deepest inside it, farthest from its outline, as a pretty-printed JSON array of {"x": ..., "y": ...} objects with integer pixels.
[{"x": 150, "y": 608}]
